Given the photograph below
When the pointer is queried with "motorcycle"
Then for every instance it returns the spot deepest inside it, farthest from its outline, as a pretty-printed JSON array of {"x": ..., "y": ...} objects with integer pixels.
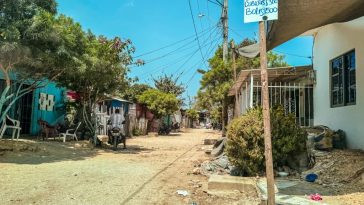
[
  {"x": 116, "y": 137},
  {"x": 164, "y": 129}
]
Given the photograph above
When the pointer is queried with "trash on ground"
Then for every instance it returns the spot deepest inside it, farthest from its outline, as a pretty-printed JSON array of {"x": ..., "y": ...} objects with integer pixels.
[
  {"x": 311, "y": 177},
  {"x": 283, "y": 174},
  {"x": 182, "y": 192},
  {"x": 316, "y": 197}
]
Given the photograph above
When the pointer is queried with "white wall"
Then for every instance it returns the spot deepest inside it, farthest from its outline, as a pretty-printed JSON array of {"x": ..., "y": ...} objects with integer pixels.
[{"x": 330, "y": 42}]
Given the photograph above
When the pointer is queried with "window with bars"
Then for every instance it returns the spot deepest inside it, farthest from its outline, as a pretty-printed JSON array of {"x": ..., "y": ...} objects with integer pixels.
[{"x": 343, "y": 80}]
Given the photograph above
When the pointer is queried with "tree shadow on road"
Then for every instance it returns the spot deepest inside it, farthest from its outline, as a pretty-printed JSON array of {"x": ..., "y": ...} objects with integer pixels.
[
  {"x": 39, "y": 152},
  {"x": 130, "y": 149}
]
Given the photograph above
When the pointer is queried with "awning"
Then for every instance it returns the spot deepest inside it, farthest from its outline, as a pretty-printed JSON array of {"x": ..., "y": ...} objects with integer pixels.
[
  {"x": 299, "y": 16},
  {"x": 283, "y": 74}
]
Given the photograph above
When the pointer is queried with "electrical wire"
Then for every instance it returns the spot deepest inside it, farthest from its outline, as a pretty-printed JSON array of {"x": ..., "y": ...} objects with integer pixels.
[
  {"x": 211, "y": 43},
  {"x": 179, "y": 49},
  {"x": 194, "y": 74},
  {"x": 179, "y": 59},
  {"x": 216, "y": 2},
  {"x": 295, "y": 55},
  {"x": 173, "y": 44},
  {"x": 194, "y": 26}
]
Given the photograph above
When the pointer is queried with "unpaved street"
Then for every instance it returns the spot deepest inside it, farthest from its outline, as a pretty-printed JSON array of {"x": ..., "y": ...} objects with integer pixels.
[{"x": 150, "y": 171}]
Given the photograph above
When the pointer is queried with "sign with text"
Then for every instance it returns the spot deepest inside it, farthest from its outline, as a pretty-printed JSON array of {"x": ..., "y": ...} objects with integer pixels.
[{"x": 260, "y": 10}]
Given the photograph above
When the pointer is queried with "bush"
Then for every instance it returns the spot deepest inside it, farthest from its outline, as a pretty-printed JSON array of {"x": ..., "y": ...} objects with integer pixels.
[
  {"x": 245, "y": 144},
  {"x": 137, "y": 132}
]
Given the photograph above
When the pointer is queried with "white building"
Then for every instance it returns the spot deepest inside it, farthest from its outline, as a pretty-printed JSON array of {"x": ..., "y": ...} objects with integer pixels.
[{"x": 338, "y": 59}]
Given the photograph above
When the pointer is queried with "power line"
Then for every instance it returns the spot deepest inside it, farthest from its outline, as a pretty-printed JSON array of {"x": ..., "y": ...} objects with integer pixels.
[
  {"x": 216, "y": 2},
  {"x": 295, "y": 55},
  {"x": 194, "y": 74},
  {"x": 179, "y": 59},
  {"x": 175, "y": 50},
  {"x": 235, "y": 32},
  {"x": 217, "y": 34},
  {"x": 194, "y": 26},
  {"x": 172, "y": 44}
]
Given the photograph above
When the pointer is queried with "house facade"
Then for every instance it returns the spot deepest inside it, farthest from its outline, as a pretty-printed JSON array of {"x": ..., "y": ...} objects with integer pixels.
[
  {"x": 289, "y": 87},
  {"x": 338, "y": 59},
  {"x": 46, "y": 103}
]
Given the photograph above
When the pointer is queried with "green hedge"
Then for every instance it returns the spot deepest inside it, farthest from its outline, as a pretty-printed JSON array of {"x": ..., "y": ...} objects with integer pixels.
[{"x": 245, "y": 144}]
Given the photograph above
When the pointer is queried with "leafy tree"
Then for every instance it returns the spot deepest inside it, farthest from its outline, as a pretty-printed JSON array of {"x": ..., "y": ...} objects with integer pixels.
[
  {"x": 29, "y": 48},
  {"x": 102, "y": 71},
  {"x": 159, "y": 103},
  {"x": 133, "y": 91},
  {"x": 36, "y": 47},
  {"x": 216, "y": 82},
  {"x": 192, "y": 114},
  {"x": 169, "y": 84}
]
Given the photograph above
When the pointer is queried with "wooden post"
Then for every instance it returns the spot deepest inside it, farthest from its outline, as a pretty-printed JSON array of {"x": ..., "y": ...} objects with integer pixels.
[
  {"x": 237, "y": 106},
  {"x": 266, "y": 115}
]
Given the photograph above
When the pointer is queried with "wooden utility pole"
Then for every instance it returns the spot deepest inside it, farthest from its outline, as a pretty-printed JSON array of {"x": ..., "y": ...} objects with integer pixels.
[
  {"x": 266, "y": 114},
  {"x": 224, "y": 19},
  {"x": 237, "y": 106}
]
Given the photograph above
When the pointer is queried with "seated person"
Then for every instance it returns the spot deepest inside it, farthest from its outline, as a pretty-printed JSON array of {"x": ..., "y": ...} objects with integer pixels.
[{"x": 117, "y": 120}]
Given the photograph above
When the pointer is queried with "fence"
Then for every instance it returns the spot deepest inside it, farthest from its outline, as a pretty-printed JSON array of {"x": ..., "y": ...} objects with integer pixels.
[{"x": 296, "y": 98}]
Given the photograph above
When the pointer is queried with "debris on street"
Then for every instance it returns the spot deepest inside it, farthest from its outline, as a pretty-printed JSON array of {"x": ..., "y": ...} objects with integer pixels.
[{"x": 182, "y": 192}]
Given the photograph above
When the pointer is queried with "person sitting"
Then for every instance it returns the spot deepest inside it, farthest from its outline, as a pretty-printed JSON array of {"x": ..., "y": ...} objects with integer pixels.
[{"x": 117, "y": 120}]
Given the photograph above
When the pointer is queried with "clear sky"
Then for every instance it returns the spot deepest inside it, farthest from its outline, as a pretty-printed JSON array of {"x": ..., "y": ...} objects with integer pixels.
[{"x": 153, "y": 24}]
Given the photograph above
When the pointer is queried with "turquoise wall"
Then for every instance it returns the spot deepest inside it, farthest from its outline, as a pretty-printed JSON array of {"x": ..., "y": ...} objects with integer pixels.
[{"x": 52, "y": 117}]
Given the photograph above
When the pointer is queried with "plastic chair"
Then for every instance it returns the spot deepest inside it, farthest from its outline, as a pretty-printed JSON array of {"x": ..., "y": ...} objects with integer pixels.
[
  {"x": 10, "y": 124},
  {"x": 70, "y": 133}
]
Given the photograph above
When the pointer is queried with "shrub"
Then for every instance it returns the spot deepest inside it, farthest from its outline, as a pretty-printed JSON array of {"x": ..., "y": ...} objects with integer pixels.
[
  {"x": 245, "y": 144},
  {"x": 137, "y": 132}
]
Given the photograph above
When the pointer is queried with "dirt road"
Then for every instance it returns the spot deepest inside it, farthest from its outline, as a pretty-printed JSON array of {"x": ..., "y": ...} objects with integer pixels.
[{"x": 150, "y": 171}]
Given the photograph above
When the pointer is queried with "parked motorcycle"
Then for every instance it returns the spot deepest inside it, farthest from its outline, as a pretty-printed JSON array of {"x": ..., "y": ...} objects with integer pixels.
[{"x": 164, "y": 129}]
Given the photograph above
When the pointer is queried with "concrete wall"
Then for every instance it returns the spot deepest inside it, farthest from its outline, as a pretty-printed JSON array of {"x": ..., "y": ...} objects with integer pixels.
[{"x": 330, "y": 42}]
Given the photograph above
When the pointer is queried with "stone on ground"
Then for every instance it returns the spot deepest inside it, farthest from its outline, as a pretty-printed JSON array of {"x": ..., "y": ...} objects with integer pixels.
[
  {"x": 218, "y": 183},
  {"x": 103, "y": 138},
  {"x": 219, "y": 149},
  {"x": 209, "y": 141}
]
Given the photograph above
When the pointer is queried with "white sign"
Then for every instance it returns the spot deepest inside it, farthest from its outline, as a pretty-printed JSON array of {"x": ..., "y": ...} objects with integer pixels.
[
  {"x": 46, "y": 102},
  {"x": 260, "y": 10}
]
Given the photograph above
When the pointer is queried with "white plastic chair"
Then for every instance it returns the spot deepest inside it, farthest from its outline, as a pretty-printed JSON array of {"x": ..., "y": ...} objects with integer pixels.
[
  {"x": 15, "y": 125},
  {"x": 70, "y": 133}
]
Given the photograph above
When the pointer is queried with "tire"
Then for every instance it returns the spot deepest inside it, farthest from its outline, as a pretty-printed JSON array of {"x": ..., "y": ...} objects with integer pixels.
[{"x": 115, "y": 146}]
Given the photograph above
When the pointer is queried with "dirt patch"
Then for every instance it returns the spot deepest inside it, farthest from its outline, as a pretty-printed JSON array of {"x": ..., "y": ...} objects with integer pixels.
[
  {"x": 149, "y": 171},
  {"x": 341, "y": 170},
  {"x": 18, "y": 146},
  {"x": 340, "y": 178}
]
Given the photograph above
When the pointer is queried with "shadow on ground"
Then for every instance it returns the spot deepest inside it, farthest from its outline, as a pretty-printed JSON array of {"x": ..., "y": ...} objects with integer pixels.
[{"x": 39, "y": 152}]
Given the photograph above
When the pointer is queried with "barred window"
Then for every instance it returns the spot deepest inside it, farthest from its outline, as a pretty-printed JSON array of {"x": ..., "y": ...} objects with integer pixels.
[{"x": 343, "y": 80}]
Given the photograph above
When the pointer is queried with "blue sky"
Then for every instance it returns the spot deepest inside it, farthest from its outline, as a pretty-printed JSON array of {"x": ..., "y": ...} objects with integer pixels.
[{"x": 152, "y": 24}]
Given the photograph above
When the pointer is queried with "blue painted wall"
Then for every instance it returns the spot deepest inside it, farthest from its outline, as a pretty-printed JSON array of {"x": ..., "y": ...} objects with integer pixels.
[
  {"x": 52, "y": 117},
  {"x": 119, "y": 104}
]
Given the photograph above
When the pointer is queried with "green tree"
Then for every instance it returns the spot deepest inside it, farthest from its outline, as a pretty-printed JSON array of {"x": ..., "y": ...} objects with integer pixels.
[
  {"x": 192, "y": 114},
  {"x": 216, "y": 82},
  {"x": 102, "y": 71},
  {"x": 30, "y": 50},
  {"x": 159, "y": 103},
  {"x": 169, "y": 84},
  {"x": 133, "y": 91}
]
